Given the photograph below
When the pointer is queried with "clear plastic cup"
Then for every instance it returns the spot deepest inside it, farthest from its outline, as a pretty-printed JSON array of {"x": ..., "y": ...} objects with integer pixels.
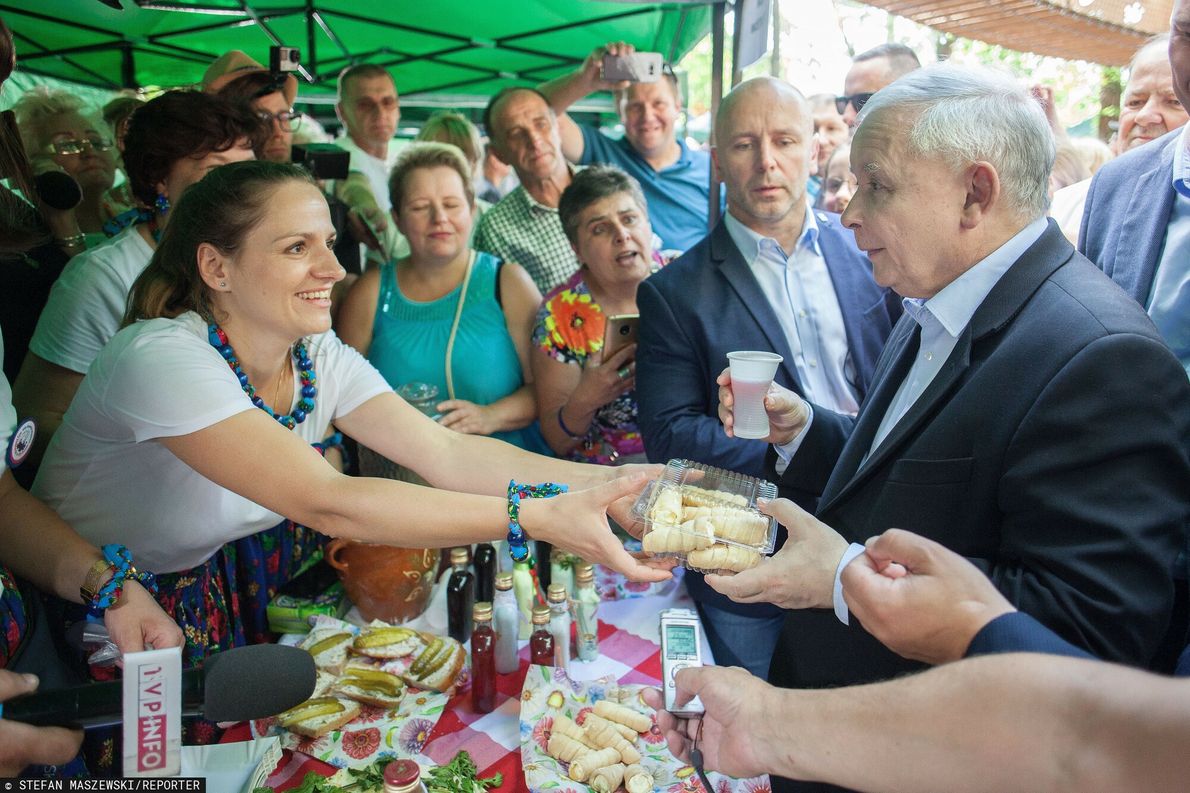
[{"x": 751, "y": 373}]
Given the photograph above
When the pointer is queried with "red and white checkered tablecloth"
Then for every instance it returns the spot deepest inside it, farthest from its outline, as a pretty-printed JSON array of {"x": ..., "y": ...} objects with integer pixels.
[{"x": 629, "y": 645}]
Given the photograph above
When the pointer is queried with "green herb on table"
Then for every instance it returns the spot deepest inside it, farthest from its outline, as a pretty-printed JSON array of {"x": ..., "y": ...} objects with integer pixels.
[
  {"x": 459, "y": 776},
  {"x": 364, "y": 780}
]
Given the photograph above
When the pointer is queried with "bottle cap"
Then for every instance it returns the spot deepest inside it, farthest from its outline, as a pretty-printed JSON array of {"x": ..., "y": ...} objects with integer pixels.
[
  {"x": 504, "y": 581},
  {"x": 541, "y": 615},
  {"x": 400, "y": 773},
  {"x": 460, "y": 555},
  {"x": 481, "y": 611},
  {"x": 556, "y": 593},
  {"x": 584, "y": 573}
]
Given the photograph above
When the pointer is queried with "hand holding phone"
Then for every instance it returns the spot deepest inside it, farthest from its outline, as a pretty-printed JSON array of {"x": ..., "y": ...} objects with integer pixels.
[
  {"x": 619, "y": 332},
  {"x": 681, "y": 646}
]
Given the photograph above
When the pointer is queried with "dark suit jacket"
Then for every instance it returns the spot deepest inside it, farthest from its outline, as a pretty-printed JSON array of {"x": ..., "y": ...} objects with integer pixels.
[
  {"x": 1017, "y": 632},
  {"x": 1126, "y": 212},
  {"x": 1051, "y": 450},
  {"x": 708, "y": 303}
]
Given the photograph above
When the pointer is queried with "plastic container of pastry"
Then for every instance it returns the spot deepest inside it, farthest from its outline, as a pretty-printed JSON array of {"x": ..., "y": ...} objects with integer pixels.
[{"x": 706, "y": 518}]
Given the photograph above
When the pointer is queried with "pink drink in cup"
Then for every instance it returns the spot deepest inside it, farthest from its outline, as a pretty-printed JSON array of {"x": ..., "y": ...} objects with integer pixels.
[{"x": 751, "y": 373}]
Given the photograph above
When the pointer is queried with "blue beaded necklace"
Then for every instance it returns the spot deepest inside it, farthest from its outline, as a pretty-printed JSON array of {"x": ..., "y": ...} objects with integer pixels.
[{"x": 305, "y": 405}]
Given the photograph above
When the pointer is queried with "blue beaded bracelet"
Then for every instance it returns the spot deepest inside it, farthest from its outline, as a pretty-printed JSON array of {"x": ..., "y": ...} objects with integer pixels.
[
  {"x": 518, "y": 547},
  {"x": 122, "y": 569}
]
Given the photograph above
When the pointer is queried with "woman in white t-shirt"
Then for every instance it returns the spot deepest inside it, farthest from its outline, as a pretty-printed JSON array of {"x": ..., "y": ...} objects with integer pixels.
[{"x": 194, "y": 425}]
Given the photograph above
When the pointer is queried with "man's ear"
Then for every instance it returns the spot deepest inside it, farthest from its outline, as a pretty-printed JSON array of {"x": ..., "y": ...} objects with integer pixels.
[
  {"x": 497, "y": 151},
  {"x": 983, "y": 193},
  {"x": 815, "y": 145},
  {"x": 212, "y": 267}
]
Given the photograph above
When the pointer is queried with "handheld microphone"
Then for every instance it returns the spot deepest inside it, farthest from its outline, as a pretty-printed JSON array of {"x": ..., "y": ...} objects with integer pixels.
[
  {"x": 58, "y": 190},
  {"x": 236, "y": 685}
]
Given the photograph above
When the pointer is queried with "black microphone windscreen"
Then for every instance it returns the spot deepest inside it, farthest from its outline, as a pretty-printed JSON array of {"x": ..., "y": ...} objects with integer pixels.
[
  {"x": 58, "y": 190},
  {"x": 257, "y": 681}
]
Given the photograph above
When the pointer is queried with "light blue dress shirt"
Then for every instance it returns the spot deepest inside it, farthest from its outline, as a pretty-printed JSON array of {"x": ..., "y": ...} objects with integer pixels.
[
  {"x": 1169, "y": 301},
  {"x": 802, "y": 295}
]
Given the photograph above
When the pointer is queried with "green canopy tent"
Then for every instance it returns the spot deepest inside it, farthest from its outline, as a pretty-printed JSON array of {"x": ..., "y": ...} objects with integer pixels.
[{"x": 455, "y": 53}]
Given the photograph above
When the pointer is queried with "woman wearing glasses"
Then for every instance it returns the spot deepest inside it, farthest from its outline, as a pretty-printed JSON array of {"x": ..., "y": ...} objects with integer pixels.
[
  {"x": 172, "y": 142},
  {"x": 237, "y": 77},
  {"x": 60, "y": 136}
]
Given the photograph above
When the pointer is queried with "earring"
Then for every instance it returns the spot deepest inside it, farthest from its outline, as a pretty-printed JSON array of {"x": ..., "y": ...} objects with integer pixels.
[
  {"x": 223, "y": 284},
  {"x": 161, "y": 204}
]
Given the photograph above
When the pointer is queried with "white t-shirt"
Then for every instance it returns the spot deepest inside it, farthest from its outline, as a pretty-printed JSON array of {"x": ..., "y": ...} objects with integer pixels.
[
  {"x": 157, "y": 379},
  {"x": 374, "y": 168},
  {"x": 88, "y": 301}
]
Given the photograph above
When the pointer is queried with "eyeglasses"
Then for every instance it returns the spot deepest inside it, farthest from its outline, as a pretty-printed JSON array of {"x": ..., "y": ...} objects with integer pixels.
[
  {"x": 75, "y": 146},
  {"x": 856, "y": 100},
  {"x": 286, "y": 119}
]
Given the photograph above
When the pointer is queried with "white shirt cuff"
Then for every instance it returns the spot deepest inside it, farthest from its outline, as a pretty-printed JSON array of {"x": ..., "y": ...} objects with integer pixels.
[
  {"x": 786, "y": 451},
  {"x": 841, "y": 610}
]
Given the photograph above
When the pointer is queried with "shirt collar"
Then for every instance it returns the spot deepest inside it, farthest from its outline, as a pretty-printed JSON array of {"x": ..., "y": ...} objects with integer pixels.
[
  {"x": 748, "y": 242},
  {"x": 1181, "y": 164},
  {"x": 954, "y": 306},
  {"x": 532, "y": 204}
]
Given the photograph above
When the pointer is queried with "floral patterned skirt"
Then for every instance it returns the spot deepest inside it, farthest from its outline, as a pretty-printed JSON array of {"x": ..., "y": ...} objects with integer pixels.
[{"x": 220, "y": 604}]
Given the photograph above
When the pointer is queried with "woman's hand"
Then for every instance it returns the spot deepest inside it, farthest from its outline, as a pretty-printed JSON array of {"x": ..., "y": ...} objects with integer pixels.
[
  {"x": 620, "y": 510},
  {"x": 577, "y": 522},
  {"x": 467, "y": 417},
  {"x": 21, "y": 744},
  {"x": 137, "y": 621},
  {"x": 603, "y": 381}
]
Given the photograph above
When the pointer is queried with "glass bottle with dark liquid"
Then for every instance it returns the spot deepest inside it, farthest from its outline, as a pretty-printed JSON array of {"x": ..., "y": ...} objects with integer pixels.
[
  {"x": 483, "y": 660},
  {"x": 484, "y": 563},
  {"x": 460, "y": 595},
  {"x": 544, "y": 549},
  {"x": 541, "y": 643}
]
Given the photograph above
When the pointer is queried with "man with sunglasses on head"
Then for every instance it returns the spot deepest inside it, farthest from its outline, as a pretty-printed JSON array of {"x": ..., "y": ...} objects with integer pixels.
[{"x": 870, "y": 71}]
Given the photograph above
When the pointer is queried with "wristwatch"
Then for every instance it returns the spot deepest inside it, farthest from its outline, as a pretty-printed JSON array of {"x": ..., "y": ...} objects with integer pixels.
[{"x": 94, "y": 579}]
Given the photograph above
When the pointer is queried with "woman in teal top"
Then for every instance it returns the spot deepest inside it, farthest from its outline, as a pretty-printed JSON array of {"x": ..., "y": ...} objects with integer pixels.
[{"x": 408, "y": 319}]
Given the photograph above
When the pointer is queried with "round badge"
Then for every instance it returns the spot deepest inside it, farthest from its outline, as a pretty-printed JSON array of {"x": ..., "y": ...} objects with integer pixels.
[{"x": 21, "y": 443}]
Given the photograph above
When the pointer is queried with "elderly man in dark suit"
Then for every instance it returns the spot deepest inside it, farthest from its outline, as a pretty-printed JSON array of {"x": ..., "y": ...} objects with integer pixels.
[
  {"x": 772, "y": 275},
  {"x": 1025, "y": 413},
  {"x": 1136, "y": 219}
]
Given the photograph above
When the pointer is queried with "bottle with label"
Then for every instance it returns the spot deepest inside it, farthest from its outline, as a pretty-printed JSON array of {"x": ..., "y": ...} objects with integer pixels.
[
  {"x": 483, "y": 660},
  {"x": 561, "y": 570},
  {"x": 525, "y": 588},
  {"x": 541, "y": 643},
  {"x": 484, "y": 562},
  {"x": 586, "y": 605},
  {"x": 560, "y": 624},
  {"x": 460, "y": 595},
  {"x": 505, "y": 623},
  {"x": 403, "y": 776}
]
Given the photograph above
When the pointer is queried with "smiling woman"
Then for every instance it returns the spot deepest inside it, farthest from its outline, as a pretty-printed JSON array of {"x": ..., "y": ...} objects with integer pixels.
[{"x": 193, "y": 428}]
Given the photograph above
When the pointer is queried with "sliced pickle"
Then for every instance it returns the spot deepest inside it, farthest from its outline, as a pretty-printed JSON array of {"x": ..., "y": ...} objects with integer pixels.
[
  {"x": 330, "y": 641},
  {"x": 437, "y": 662},
  {"x": 310, "y": 709},
  {"x": 391, "y": 687},
  {"x": 426, "y": 656},
  {"x": 377, "y": 675},
  {"x": 381, "y": 637}
]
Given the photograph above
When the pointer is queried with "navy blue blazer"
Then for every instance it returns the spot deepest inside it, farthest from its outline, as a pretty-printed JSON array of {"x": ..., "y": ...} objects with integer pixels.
[
  {"x": 1127, "y": 209},
  {"x": 708, "y": 303}
]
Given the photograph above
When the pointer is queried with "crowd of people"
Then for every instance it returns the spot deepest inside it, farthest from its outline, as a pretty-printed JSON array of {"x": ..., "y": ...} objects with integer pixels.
[{"x": 980, "y": 434}]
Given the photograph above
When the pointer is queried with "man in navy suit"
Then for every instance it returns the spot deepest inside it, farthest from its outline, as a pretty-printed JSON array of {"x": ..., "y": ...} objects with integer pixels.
[
  {"x": 1024, "y": 413},
  {"x": 772, "y": 275},
  {"x": 1136, "y": 219}
]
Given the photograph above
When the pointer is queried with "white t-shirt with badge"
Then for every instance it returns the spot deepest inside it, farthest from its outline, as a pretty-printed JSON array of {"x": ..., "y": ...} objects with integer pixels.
[
  {"x": 8, "y": 414},
  {"x": 105, "y": 475},
  {"x": 88, "y": 301}
]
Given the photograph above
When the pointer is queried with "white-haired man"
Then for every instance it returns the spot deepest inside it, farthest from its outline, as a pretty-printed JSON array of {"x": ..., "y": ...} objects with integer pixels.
[{"x": 1017, "y": 400}]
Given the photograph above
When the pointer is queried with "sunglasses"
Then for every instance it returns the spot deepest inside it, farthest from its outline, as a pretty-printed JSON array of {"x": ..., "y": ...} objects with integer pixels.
[
  {"x": 856, "y": 100},
  {"x": 286, "y": 119},
  {"x": 76, "y": 146}
]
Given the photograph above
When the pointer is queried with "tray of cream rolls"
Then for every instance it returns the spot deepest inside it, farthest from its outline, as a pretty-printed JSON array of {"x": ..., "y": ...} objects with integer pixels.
[{"x": 706, "y": 518}]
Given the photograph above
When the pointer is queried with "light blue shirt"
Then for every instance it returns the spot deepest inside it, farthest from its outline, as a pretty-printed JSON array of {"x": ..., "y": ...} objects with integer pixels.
[
  {"x": 801, "y": 293},
  {"x": 944, "y": 316},
  {"x": 1169, "y": 301}
]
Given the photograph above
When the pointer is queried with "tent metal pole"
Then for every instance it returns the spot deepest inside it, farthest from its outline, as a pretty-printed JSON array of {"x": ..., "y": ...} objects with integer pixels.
[
  {"x": 737, "y": 72},
  {"x": 717, "y": 25},
  {"x": 311, "y": 52},
  {"x": 128, "y": 66}
]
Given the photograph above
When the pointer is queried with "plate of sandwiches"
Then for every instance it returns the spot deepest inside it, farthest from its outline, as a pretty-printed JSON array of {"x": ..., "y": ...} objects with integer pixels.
[
  {"x": 600, "y": 736},
  {"x": 380, "y": 692}
]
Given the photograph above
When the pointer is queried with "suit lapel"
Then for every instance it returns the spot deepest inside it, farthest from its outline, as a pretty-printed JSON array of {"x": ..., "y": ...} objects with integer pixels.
[
  {"x": 1008, "y": 296},
  {"x": 1143, "y": 231},
  {"x": 740, "y": 279}
]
